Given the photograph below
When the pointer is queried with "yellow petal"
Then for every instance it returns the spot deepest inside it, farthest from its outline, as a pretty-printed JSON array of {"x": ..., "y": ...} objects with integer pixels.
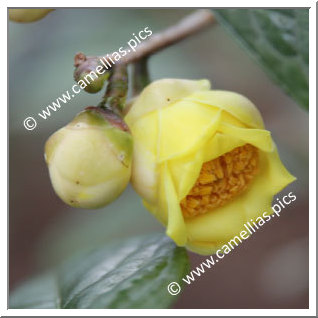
[
  {"x": 170, "y": 203},
  {"x": 185, "y": 128},
  {"x": 161, "y": 93},
  {"x": 235, "y": 104}
]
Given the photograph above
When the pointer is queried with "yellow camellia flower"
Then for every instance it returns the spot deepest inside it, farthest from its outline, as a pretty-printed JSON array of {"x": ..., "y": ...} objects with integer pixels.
[
  {"x": 89, "y": 160},
  {"x": 203, "y": 162},
  {"x": 27, "y": 15}
]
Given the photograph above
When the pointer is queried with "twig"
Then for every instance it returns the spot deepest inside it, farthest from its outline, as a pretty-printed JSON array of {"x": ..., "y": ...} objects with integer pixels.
[
  {"x": 187, "y": 26},
  {"x": 115, "y": 96}
]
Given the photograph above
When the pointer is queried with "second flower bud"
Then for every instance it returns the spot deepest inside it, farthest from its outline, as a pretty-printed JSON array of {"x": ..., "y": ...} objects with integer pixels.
[{"x": 89, "y": 160}]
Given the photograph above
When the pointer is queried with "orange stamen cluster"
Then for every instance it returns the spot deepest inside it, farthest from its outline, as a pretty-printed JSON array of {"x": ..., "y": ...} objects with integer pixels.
[{"x": 220, "y": 180}]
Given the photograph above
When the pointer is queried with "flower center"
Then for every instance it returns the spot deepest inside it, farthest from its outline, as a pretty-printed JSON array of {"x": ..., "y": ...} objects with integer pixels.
[{"x": 220, "y": 180}]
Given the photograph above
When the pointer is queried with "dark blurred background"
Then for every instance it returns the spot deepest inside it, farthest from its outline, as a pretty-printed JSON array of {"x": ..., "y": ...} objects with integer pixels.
[{"x": 270, "y": 270}]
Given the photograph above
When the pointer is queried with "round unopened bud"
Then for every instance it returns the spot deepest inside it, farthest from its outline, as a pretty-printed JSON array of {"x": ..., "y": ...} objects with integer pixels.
[
  {"x": 27, "y": 15},
  {"x": 89, "y": 160},
  {"x": 94, "y": 84},
  {"x": 90, "y": 75}
]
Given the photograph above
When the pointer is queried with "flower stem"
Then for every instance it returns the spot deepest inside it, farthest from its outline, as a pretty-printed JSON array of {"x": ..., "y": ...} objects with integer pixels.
[
  {"x": 140, "y": 76},
  {"x": 116, "y": 91}
]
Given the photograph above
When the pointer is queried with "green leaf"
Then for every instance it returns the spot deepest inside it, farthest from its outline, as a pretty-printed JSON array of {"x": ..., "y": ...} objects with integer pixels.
[
  {"x": 278, "y": 39},
  {"x": 128, "y": 274}
]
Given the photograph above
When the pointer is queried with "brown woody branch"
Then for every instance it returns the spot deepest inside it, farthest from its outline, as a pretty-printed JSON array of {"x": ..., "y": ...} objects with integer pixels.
[{"x": 187, "y": 26}]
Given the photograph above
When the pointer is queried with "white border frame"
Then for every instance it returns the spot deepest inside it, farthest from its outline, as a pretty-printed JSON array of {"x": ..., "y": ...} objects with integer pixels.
[{"x": 312, "y": 166}]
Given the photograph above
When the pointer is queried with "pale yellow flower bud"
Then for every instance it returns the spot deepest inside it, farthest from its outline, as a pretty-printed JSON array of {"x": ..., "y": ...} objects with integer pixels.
[{"x": 89, "y": 160}]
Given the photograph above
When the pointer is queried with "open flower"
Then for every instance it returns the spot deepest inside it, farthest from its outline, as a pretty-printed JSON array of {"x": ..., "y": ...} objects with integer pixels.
[
  {"x": 89, "y": 160},
  {"x": 203, "y": 162}
]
